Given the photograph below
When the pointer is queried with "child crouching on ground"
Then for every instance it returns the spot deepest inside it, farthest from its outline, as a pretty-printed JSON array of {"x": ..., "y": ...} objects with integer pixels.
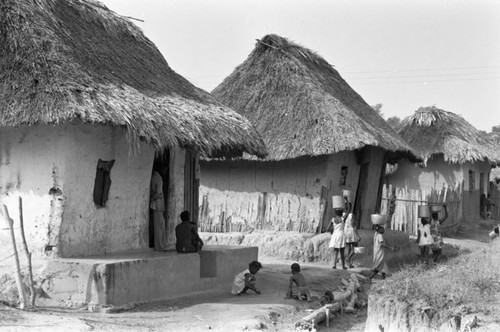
[
  {"x": 300, "y": 281},
  {"x": 379, "y": 264},
  {"x": 245, "y": 280}
]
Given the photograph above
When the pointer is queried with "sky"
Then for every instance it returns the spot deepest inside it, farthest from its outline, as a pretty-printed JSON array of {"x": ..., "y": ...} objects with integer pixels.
[{"x": 400, "y": 53}]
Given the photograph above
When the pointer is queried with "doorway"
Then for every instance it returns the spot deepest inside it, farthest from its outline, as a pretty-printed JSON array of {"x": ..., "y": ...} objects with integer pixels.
[
  {"x": 160, "y": 165},
  {"x": 362, "y": 183}
]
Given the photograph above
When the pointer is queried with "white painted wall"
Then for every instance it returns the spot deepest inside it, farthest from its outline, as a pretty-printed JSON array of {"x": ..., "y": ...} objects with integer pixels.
[{"x": 35, "y": 159}]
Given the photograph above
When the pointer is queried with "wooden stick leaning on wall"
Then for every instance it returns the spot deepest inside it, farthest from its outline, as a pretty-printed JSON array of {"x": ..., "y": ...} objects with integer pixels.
[
  {"x": 28, "y": 254},
  {"x": 19, "y": 281}
]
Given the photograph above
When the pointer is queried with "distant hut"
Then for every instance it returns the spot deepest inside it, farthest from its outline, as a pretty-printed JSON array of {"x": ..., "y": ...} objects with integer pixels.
[
  {"x": 457, "y": 162},
  {"x": 87, "y": 104},
  {"x": 322, "y": 138}
]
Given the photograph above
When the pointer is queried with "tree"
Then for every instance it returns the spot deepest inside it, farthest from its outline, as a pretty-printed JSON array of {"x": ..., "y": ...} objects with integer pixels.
[
  {"x": 395, "y": 122},
  {"x": 378, "y": 108},
  {"x": 495, "y": 133}
]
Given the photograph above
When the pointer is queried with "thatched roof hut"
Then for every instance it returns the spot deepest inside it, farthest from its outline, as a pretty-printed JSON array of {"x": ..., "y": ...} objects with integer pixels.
[
  {"x": 434, "y": 131},
  {"x": 301, "y": 105},
  {"x": 65, "y": 60}
]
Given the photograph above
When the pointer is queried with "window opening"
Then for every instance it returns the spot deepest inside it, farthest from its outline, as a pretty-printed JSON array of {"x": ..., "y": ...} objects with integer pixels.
[{"x": 102, "y": 182}]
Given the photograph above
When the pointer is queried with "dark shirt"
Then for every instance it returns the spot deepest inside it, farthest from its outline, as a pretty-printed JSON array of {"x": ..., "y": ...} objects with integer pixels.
[{"x": 187, "y": 236}]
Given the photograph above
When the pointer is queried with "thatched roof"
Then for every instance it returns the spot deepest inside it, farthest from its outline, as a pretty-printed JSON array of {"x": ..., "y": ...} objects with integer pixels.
[
  {"x": 434, "y": 131},
  {"x": 301, "y": 105},
  {"x": 64, "y": 60}
]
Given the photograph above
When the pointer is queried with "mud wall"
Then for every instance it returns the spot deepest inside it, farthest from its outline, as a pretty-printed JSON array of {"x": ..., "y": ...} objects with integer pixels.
[
  {"x": 304, "y": 247},
  {"x": 438, "y": 174},
  {"x": 175, "y": 194},
  {"x": 282, "y": 195},
  {"x": 53, "y": 169}
]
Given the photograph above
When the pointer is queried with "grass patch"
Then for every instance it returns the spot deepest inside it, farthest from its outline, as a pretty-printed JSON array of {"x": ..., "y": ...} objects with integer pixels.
[{"x": 467, "y": 283}]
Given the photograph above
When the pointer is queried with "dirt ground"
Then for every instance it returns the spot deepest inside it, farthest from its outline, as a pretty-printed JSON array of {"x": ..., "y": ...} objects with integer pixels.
[{"x": 218, "y": 310}]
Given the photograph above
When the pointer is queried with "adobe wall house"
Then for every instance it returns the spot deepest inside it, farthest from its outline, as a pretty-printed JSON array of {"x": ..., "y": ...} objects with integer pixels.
[
  {"x": 86, "y": 102},
  {"x": 322, "y": 137},
  {"x": 454, "y": 153}
]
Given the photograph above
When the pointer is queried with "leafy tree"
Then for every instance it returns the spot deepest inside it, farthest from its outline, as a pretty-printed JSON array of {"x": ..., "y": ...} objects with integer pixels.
[
  {"x": 495, "y": 133},
  {"x": 395, "y": 122}
]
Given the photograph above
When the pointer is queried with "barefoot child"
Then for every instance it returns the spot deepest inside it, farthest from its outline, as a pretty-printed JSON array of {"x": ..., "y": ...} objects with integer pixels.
[
  {"x": 245, "y": 280},
  {"x": 300, "y": 281},
  {"x": 424, "y": 239},
  {"x": 379, "y": 264},
  {"x": 337, "y": 241},
  {"x": 437, "y": 244},
  {"x": 351, "y": 238}
]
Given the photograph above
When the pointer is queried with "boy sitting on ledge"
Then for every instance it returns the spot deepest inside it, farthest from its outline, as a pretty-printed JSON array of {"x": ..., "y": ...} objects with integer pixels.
[{"x": 188, "y": 240}]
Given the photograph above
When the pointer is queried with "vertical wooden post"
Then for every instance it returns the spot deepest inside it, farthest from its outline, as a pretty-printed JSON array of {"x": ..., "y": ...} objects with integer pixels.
[
  {"x": 28, "y": 254},
  {"x": 19, "y": 280}
]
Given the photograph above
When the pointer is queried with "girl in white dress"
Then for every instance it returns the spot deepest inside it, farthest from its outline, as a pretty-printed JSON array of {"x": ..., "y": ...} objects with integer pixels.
[
  {"x": 424, "y": 239},
  {"x": 351, "y": 238},
  {"x": 337, "y": 242}
]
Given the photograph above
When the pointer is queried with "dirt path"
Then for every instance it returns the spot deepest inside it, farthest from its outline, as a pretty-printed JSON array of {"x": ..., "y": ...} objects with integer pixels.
[{"x": 218, "y": 310}]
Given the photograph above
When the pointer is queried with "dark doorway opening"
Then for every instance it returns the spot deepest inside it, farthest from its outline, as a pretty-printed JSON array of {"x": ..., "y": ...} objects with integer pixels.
[
  {"x": 160, "y": 165},
  {"x": 362, "y": 183}
]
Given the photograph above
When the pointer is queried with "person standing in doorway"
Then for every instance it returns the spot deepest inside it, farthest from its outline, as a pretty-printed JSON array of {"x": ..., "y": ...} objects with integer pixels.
[{"x": 157, "y": 206}]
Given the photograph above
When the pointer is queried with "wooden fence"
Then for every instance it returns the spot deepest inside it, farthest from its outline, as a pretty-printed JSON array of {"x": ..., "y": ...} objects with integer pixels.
[
  {"x": 266, "y": 217},
  {"x": 405, "y": 216}
]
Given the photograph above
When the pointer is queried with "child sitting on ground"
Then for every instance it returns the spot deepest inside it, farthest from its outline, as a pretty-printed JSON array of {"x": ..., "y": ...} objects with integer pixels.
[
  {"x": 245, "y": 280},
  {"x": 300, "y": 281},
  {"x": 424, "y": 239}
]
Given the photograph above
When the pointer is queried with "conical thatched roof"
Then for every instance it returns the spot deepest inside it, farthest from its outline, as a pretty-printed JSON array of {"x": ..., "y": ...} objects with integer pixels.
[
  {"x": 301, "y": 105},
  {"x": 431, "y": 131},
  {"x": 63, "y": 60}
]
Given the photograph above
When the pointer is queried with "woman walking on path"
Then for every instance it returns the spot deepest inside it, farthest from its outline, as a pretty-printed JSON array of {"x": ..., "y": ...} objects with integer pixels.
[{"x": 337, "y": 242}]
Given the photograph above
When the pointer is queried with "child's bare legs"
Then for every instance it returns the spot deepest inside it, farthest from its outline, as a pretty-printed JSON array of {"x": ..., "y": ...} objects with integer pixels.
[
  {"x": 342, "y": 258},
  {"x": 335, "y": 256},
  {"x": 250, "y": 285},
  {"x": 305, "y": 294},
  {"x": 436, "y": 254},
  {"x": 350, "y": 254},
  {"x": 244, "y": 291},
  {"x": 424, "y": 252},
  {"x": 423, "y": 257}
]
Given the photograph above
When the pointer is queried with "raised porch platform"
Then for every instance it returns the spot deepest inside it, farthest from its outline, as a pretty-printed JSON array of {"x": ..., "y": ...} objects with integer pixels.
[{"x": 132, "y": 277}]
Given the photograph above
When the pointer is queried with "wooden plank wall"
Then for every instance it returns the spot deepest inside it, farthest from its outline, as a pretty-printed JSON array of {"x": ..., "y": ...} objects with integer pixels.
[
  {"x": 405, "y": 216},
  {"x": 223, "y": 223}
]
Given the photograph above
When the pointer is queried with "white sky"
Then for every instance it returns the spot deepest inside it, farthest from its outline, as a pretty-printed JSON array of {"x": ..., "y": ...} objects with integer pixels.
[{"x": 403, "y": 54}]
